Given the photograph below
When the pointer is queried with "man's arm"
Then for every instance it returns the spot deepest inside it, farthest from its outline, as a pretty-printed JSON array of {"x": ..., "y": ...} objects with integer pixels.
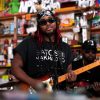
[
  {"x": 69, "y": 68},
  {"x": 71, "y": 75},
  {"x": 18, "y": 72}
]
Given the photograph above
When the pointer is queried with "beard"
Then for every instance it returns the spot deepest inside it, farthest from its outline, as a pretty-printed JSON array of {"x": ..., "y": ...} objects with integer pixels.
[
  {"x": 49, "y": 33},
  {"x": 89, "y": 59}
]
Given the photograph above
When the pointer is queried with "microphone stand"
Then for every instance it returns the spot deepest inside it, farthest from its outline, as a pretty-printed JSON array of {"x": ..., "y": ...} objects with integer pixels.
[
  {"x": 54, "y": 70},
  {"x": 55, "y": 77},
  {"x": 54, "y": 67}
]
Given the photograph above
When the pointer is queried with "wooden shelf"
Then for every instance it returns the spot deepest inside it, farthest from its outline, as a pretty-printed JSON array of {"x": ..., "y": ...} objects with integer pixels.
[
  {"x": 1, "y": 67},
  {"x": 9, "y": 17},
  {"x": 11, "y": 35},
  {"x": 67, "y": 9},
  {"x": 60, "y": 10},
  {"x": 66, "y": 29},
  {"x": 73, "y": 9},
  {"x": 95, "y": 30},
  {"x": 6, "y": 35},
  {"x": 6, "y": 18}
]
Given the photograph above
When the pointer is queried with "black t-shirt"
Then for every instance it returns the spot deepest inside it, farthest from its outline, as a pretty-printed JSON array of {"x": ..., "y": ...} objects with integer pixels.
[
  {"x": 40, "y": 60},
  {"x": 91, "y": 75}
]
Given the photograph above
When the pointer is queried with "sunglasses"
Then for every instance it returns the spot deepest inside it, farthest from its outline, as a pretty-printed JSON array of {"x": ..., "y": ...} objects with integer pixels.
[
  {"x": 44, "y": 22},
  {"x": 92, "y": 51}
]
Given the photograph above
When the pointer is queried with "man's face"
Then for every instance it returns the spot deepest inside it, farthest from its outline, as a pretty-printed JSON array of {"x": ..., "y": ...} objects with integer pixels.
[
  {"x": 89, "y": 55},
  {"x": 47, "y": 25}
]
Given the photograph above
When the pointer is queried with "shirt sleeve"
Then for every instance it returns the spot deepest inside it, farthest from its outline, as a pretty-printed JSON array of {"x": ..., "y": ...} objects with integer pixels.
[{"x": 21, "y": 49}]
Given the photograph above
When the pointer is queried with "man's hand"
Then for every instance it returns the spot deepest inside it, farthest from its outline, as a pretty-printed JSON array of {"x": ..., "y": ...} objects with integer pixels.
[
  {"x": 96, "y": 86},
  {"x": 71, "y": 76}
]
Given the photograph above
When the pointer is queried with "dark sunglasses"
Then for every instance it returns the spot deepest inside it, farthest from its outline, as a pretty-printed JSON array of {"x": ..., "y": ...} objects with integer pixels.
[
  {"x": 44, "y": 22},
  {"x": 92, "y": 51}
]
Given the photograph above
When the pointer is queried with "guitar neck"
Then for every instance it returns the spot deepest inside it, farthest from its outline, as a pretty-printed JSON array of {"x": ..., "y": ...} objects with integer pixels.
[{"x": 80, "y": 70}]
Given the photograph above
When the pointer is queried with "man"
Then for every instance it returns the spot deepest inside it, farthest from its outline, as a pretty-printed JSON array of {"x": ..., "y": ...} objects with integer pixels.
[
  {"x": 43, "y": 55},
  {"x": 91, "y": 78}
]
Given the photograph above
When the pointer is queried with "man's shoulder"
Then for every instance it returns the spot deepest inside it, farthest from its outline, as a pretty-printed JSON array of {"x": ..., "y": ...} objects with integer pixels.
[{"x": 29, "y": 38}]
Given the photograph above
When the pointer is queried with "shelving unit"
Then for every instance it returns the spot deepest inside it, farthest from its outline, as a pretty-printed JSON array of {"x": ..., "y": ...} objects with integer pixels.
[
  {"x": 58, "y": 11},
  {"x": 62, "y": 10}
]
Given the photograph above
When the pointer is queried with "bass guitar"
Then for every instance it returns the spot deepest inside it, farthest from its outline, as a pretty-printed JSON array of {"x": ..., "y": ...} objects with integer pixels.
[{"x": 61, "y": 78}]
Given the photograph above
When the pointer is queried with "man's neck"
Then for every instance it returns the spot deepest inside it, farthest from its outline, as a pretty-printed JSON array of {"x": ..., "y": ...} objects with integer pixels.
[{"x": 49, "y": 39}]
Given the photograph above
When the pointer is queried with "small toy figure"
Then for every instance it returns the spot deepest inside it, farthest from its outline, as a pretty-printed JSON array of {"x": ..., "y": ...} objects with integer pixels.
[{"x": 14, "y": 6}]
